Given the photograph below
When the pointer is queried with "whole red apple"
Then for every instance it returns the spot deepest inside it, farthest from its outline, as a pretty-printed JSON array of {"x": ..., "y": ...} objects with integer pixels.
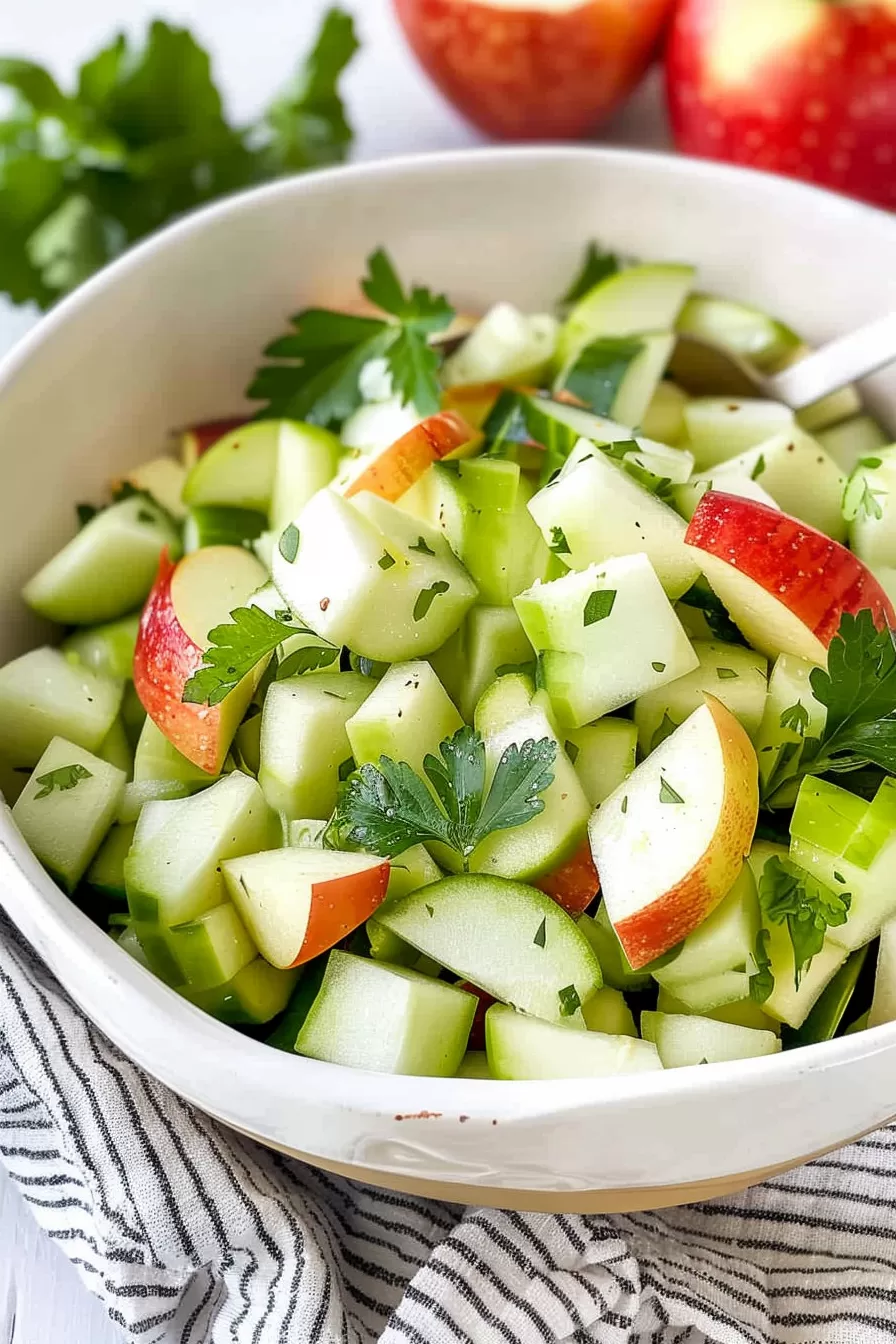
[
  {"x": 534, "y": 69},
  {"x": 801, "y": 87}
]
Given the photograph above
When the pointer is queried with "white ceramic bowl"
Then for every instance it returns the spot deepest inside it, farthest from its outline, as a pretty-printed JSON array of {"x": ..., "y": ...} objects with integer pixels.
[{"x": 170, "y": 335}]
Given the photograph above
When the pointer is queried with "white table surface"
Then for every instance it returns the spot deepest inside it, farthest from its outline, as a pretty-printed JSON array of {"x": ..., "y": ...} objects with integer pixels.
[{"x": 393, "y": 109}]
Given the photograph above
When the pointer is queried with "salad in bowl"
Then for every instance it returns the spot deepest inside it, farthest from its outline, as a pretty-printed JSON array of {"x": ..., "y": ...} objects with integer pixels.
[{"x": 504, "y": 700}]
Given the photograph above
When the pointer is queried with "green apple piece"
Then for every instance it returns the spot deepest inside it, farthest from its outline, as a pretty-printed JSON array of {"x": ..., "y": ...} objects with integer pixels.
[
  {"x": 305, "y": 461},
  {"x": 719, "y": 428},
  {"x": 304, "y": 743},
  {"x": 238, "y": 470},
  {"x": 173, "y": 873},
  {"x": 743, "y": 1013},
  {"x": 217, "y": 525},
  {"x": 596, "y": 510},
  {"x": 605, "y": 636},
  {"x": 830, "y": 1008},
  {"x": 638, "y": 376},
  {"x": 156, "y": 758},
  {"x": 861, "y": 436},
  {"x": 116, "y": 749},
  {"x": 661, "y": 460},
  {"x": 66, "y": 808},
  {"x": 506, "y": 938},
  {"x": 798, "y": 474},
  {"x": 505, "y": 346},
  {"x": 686, "y": 497},
  {"x": 868, "y": 507},
  {"x": 107, "y": 650},
  {"x": 490, "y": 643},
  {"x": 43, "y": 695},
  {"x": 256, "y": 994},
  {"x": 849, "y": 845},
  {"x": 387, "y": 1019},
  {"x": 474, "y": 1065},
  {"x": 735, "y": 675},
  {"x": 405, "y": 717},
  {"x": 664, "y": 417},
  {"x": 367, "y": 575},
  {"x": 635, "y": 300},
  {"x": 137, "y": 796},
  {"x": 740, "y": 329},
  {"x": 520, "y": 1047},
  {"x": 791, "y": 715},
  {"x": 511, "y": 713},
  {"x": 108, "y": 568},
  {"x": 603, "y": 755},
  {"x": 106, "y": 872},
  {"x": 684, "y": 1040},
  {"x": 607, "y": 1012},
  {"x": 617, "y": 972},
  {"x": 210, "y": 949},
  {"x": 883, "y": 1004},
  {"x": 723, "y": 945}
]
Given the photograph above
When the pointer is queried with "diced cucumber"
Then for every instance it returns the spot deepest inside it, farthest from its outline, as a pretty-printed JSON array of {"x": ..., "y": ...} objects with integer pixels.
[
  {"x": 306, "y": 833},
  {"x": 603, "y": 755},
  {"x": 413, "y": 868},
  {"x": 505, "y": 346},
  {"x": 673, "y": 464},
  {"x": 786, "y": 1002},
  {"x": 387, "y": 1018},
  {"x": 108, "y": 568},
  {"x": 605, "y": 636},
  {"x": 387, "y": 946},
  {"x": 378, "y": 424},
  {"x": 305, "y": 461},
  {"x": 642, "y": 378},
  {"x": 215, "y": 525},
  {"x": 506, "y": 938},
  {"x": 744, "y": 1013},
  {"x": 791, "y": 715},
  {"x": 883, "y": 1004},
  {"x": 174, "y": 875},
  {"x": 367, "y": 575},
  {"x": 66, "y": 808},
  {"x": 739, "y": 328},
  {"x": 520, "y": 1047},
  {"x": 283, "y": 1036},
  {"x": 825, "y": 1019},
  {"x": 719, "y": 428},
  {"x": 869, "y": 507},
  {"x": 508, "y": 714},
  {"x": 405, "y": 717},
  {"x": 162, "y": 478},
  {"x": 238, "y": 470},
  {"x": 684, "y": 1040},
  {"x": 491, "y": 642},
  {"x": 136, "y": 796},
  {"x": 641, "y": 298},
  {"x": 664, "y": 418},
  {"x": 256, "y": 993},
  {"x": 708, "y": 993},
  {"x": 735, "y": 675},
  {"x": 607, "y": 1012},
  {"x": 116, "y": 749},
  {"x": 596, "y": 510},
  {"x": 853, "y": 439},
  {"x": 155, "y": 758},
  {"x": 107, "y": 650},
  {"x": 474, "y": 1065},
  {"x": 106, "y": 872},
  {"x": 723, "y": 944},
  {"x": 212, "y": 948},
  {"x": 43, "y": 695},
  {"x": 304, "y": 743},
  {"x": 617, "y": 972},
  {"x": 130, "y": 943}
]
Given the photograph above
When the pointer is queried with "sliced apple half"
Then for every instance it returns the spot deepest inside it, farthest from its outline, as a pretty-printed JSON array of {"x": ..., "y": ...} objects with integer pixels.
[
  {"x": 197, "y": 439},
  {"x": 394, "y": 470},
  {"x": 297, "y": 903},
  {"x": 670, "y": 842},
  {"x": 187, "y": 601},
  {"x": 785, "y": 584}
]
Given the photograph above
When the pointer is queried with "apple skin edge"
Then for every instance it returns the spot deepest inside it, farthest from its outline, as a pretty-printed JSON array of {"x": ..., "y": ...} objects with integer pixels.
[
  {"x": 530, "y": 74},
  {"x": 653, "y": 930},
  {"x": 575, "y": 884},
  {"x": 338, "y": 907},
  {"x": 393, "y": 471},
  {"x": 818, "y": 103}
]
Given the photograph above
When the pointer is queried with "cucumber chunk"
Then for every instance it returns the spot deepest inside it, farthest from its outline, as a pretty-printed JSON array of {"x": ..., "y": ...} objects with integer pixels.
[
  {"x": 304, "y": 743},
  {"x": 106, "y": 872},
  {"x": 607, "y": 1012},
  {"x": 641, "y": 298},
  {"x": 664, "y": 418},
  {"x": 405, "y": 717},
  {"x": 719, "y": 428},
  {"x": 108, "y": 568},
  {"x": 505, "y": 346},
  {"x": 156, "y": 759},
  {"x": 739, "y": 328},
  {"x": 211, "y": 948},
  {"x": 675, "y": 464},
  {"x": 506, "y": 938},
  {"x": 173, "y": 874},
  {"x": 605, "y": 636},
  {"x": 107, "y": 650},
  {"x": 140, "y": 794},
  {"x": 361, "y": 577},
  {"x": 617, "y": 971},
  {"x": 686, "y": 1040},
  {"x": 830, "y": 1008},
  {"x": 116, "y": 749},
  {"x": 305, "y": 462},
  {"x": 735, "y": 675},
  {"x": 387, "y": 1018},
  {"x": 474, "y": 1065},
  {"x": 162, "y": 478},
  {"x": 603, "y": 755},
  {"x": 791, "y": 715},
  {"x": 66, "y": 808},
  {"x": 846, "y": 443},
  {"x": 413, "y": 868},
  {"x": 256, "y": 994},
  {"x": 722, "y": 946},
  {"x": 743, "y": 1013},
  {"x": 43, "y": 695},
  {"x": 520, "y": 1047},
  {"x": 490, "y": 643}
]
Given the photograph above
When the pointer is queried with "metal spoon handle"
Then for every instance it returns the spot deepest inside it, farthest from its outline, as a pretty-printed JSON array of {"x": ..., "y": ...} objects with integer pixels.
[{"x": 833, "y": 366}]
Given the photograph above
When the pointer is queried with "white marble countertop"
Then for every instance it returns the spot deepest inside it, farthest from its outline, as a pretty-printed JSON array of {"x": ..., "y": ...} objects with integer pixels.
[{"x": 393, "y": 109}]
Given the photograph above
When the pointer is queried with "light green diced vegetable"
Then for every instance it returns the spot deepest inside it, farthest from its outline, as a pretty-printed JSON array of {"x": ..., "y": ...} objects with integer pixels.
[
  {"x": 724, "y": 944},
  {"x": 505, "y": 346},
  {"x": 43, "y": 695},
  {"x": 664, "y": 417},
  {"x": 603, "y": 754},
  {"x": 791, "y": 715},
  {"x": 736, "y": 676},
  {"x": 719, "y": 428},
  {"x": 520, "y": 1047},
  {"x": 405, "y": 717},
  {"x": 869, "y": 507},
  {"x": 107, "y": 650},
  {"x": 256, "y": 993},
  {"x": 156, "y": 758},
  {"x": 740, "y": 329},
  {"x": 106, "y": 872},
  {"x": 686, "y": 1040},
  {"x": 490, "y": 643},
  {"x": 614, "y": 964},
  {"x": 853, "y": 439},
  {"x": 743, "y": 1013},
  {"x": 635, "y": 300},
  {"x": 212, "y": 948},
  {"x": 608, "y": 1012},
  {"x": 883, "y": 1005}
]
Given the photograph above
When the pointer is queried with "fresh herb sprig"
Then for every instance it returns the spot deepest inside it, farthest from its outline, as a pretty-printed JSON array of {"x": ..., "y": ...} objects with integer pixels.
[
  {"x": 62, "y": 778},
  {"x": 600, "y": 370},
  {"x": 790, "y": 895},
  {"x": 597, "y": 266},
  {"x": 240, "y": 644},
  {"x": 387, "y": 808}
]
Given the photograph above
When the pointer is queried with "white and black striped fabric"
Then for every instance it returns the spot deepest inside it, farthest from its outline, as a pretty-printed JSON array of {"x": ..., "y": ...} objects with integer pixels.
[{"x": 195, "y": 1236}]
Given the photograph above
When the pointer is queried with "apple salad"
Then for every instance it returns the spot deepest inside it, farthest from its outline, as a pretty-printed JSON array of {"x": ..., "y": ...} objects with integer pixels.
[{"x": 504, "y": 700}]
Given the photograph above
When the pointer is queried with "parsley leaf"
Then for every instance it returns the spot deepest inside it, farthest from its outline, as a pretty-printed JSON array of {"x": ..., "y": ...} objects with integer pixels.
[
  {"x": 667, "y": 793},
  {"x": 599, "y": 605},
  {"x": 790, "y": 895},
  {"x": 506, "y": 424},
  {"x": 859, "y": 497},
  {"x": 288, "y": 545},
  {"x": 541, "y": 933},
  {"x": 795, "y": 718},
  {"x": 311, "y": 658},
  {"x": 235, "y": 648},
  {"x": 559, "y": 544},
  {"x": 427, "y": 596},
  {"x": 62, "y": 778},
  {"x": 387, "y": 808},
  {"x": 762, "y": 982},
  {"x": 597, "y": 265},
  {"x": 306, "y": 126},
  {"x": 569, "y": 1000},
  {"x": 600, "y": 369},
  {"x": 666, "y": 729}
]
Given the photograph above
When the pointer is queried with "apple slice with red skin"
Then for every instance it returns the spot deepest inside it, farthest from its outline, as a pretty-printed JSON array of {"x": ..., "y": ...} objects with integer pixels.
[
  {"x": 298, "y": 903},
  {"x": 671, "y": 841},
  {"x": 575, "y": 883},
  {"x": 785, "y": 585},
  {"x": 534, "y": 69},
  {"x": 393, "y": 471},
  {"x": 197, "y": 439},
  {"x": 189, "y": 599}
]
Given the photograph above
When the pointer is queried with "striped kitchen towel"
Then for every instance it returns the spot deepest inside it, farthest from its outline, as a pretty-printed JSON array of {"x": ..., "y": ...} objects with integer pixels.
[{"x": 191, "y": 1234}]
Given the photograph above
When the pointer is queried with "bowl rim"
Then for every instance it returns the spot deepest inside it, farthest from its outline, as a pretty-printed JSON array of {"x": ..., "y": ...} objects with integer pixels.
[{"x": 67, "y": 932}]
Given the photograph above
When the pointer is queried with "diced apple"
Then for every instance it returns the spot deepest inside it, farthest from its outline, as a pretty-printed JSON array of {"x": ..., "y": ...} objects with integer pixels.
[
  {"x": 736, "y": 676},
  {"x": 239, "y": 469},
  {"x": 305, "y": 461},
  {"x": 187, "y": 601},
  {"x": 670, "y": 842},
  {"x": 785, "y": 584},
  {"x": 575, "y": 884},
  {"x": 603, "y": 754},
  {"x": 395, "y": 469},
  {"x": 406, "y": 716}
]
